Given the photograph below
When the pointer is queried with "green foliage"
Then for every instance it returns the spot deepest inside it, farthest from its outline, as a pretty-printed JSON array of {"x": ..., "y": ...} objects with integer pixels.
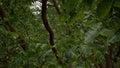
[
  {"x": 117, "y": 3},
  {"x": 84, "y": 33},
  {"x": 104, "y": 8}
]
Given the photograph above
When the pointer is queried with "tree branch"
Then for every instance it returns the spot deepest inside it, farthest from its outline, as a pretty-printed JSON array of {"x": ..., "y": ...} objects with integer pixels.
[
  {"x": 56, "y": 7},
  {"x": 108, "y": 57},
  {"x": 11, "y": 28},
  {"x": 63, "y": 1},
  {"x": 45, "y": 22}
]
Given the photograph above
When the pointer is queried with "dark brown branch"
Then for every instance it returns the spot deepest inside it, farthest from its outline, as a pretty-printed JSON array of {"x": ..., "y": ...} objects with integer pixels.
[
  {"x": 56, "y": 7},
  {"x": 63, "y": 1},
  {"x": 11, "y": 28},
  {"x": 108, "y": 57},
  {"x": 70, "y": 66},
  {"x": 2, "y": 13},
  {"x": 117, "y": 55},
  {"x": 45, "y": 21}
]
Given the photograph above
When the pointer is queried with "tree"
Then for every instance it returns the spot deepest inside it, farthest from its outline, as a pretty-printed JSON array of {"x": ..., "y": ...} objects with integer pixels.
[{"x": 60, "y": 34}]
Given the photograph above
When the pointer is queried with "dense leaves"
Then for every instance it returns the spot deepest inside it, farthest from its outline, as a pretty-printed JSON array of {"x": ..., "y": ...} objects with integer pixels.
[
  {"x": 103, "y": 8},
  {"x": 86, "y": 34}
]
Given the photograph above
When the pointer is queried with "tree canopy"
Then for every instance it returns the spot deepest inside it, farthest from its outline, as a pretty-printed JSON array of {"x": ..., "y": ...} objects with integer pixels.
[{"x": 59, "y": 33}]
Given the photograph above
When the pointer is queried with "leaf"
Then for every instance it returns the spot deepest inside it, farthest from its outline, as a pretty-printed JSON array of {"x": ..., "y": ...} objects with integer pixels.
[
  {"x": 77, "y": 13},
  {"x": 88, "y": 2},
  {"x": 107, "y": 32},
  {"x": 67, "y": 54},
  {"x": 70, "y": 5},
  {"x": 117, "y": 3},
  {"x": 91, "y": 34},
  {"x": 115, "y": 38},
  {"x": 14, "y": 35},
  {"x": 103, "y": 8},
  {"x": 85, "y": 49}
]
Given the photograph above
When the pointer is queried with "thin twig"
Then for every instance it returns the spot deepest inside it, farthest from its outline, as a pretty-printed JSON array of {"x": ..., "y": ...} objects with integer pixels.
[{"x": 57, "y": 7}]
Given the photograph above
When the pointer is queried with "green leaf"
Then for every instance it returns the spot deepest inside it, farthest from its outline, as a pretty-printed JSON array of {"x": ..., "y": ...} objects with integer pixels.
[
  {"x": 106, "y": 32},
  {"x": 91, "y": 34},
  {"x": 70, "y": 5},
  {"x": 103, "y": 8},
  {"x": 14, "y": 35},
  {"x": 117, "y": 3},
  {"x": 115, "y": 38},
  {"x": 88, "y": 2},
  {"x": 67, "y": 54}
]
